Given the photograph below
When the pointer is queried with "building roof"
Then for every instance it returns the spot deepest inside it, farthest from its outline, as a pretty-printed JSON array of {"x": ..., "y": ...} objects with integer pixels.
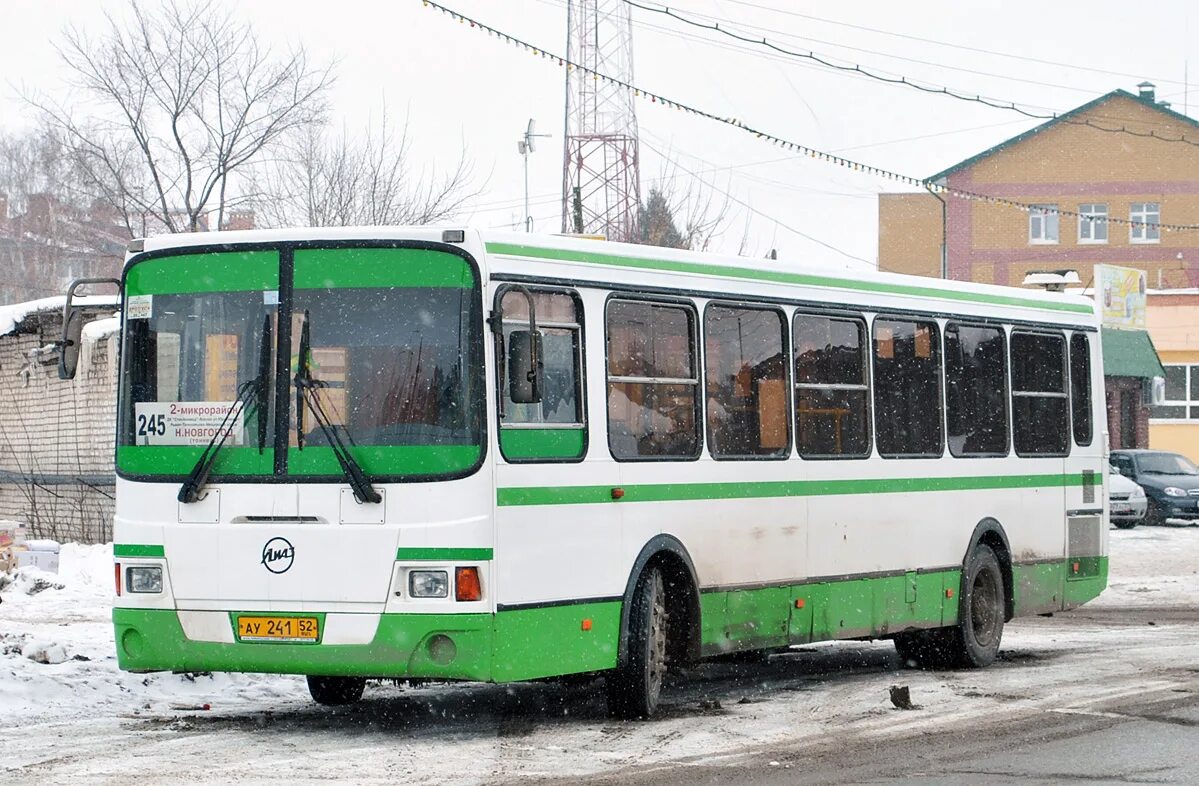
[
  {"x": 1130, "y": 353},
  {"x": 21, "y": 317},
  {"x": 1062, "y": 118}
]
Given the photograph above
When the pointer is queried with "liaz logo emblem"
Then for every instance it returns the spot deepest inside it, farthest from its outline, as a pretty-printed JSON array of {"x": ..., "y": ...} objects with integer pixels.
[{"x": 278, "y": 554}]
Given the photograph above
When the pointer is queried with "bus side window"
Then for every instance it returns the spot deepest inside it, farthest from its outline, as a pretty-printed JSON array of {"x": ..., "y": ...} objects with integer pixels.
[
  {"x": 555, "y": 428},
  {"x": 907, "y": 388},
  {"x": 745, "y": 374},
  {"x": 1040, "y": 403},
  {"x": 1080, "y": 388},
  {"x": 976, "y": 408},
  {"x": 653, "y": 381},
  {"x": 832, "y": 394}
]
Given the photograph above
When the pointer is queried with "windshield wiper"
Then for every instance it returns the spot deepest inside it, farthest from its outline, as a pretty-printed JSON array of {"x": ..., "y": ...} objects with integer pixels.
[
  {"x": 306, "y": 388},
  {"x": 258, "y": 388}
]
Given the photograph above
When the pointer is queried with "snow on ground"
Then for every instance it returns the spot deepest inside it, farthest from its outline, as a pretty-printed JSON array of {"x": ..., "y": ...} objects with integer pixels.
[
  {"x": 1153, "y": 566},
  {"x": 70, "y": 714},
  {"x": 58, "y": 658}
]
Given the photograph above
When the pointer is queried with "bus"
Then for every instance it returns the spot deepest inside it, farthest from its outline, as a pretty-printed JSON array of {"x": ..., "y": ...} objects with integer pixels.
[{"x": 448, "y": 454}]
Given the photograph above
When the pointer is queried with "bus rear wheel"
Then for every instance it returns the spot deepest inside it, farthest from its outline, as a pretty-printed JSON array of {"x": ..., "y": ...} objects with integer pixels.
[
  {"x": 336, "y": 691},
  {"x": 635, "y": 686}
]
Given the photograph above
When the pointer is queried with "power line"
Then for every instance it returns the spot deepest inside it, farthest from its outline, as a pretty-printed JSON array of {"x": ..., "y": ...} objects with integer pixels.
[
  {"x": 949, "y": 45},
  {"x": 811, "y": 152},
  {"x": 757, "y": 212},
  {"x": 901, "y": 81}
]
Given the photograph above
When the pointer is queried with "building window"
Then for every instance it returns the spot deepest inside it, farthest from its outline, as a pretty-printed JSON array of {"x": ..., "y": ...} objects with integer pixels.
[
  {"x": 976, "y": 407},
  {"x": 1092, "y": 223},
  {"x": 746, "y": 376},
  {"x": 832, "y": 397},
  {"x": 1145, "y": 218},
  {"x": 653, "y": 382},
  {"x": 907, "y": 388},
  {"x": 1182, "y": 395},
  {"x": 1042, "y": 223},
  {"x": 1040, "y": 403}
]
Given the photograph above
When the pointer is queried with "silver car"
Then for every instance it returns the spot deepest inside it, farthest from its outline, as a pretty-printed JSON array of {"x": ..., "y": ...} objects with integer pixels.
[{"x": 1126, "y": 501}]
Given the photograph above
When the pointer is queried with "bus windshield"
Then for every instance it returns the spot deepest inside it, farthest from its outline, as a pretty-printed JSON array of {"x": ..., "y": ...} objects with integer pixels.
[{"x": 395, "y": 361}]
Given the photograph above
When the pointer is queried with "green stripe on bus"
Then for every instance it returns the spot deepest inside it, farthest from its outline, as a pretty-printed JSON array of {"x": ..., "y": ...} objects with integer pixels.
[
  {"x": 179, "y": 460},
  {"x": 136, "y": 550},
  {"x": 329, "y": 268},
  {"x": 778, "y": 277},
  {"x": 231, "y": 271},
  {"x": 477, "y": 555},
  {"x": 407, "y": 460},
  {"x": 674, "y": 492},
  {"x": 541, "y": 443}
]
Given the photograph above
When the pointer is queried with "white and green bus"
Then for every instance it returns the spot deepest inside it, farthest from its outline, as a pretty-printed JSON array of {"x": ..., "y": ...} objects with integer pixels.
[{"x": 437, "y": 454}]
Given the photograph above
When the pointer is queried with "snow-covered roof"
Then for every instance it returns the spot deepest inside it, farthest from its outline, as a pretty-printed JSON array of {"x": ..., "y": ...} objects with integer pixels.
[
  {"x": 101, "y": 328},
  {"x": 13, "y": 315}
]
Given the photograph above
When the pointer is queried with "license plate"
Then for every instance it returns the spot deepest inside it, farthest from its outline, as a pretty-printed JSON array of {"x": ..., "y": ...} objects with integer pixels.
[
  {"x": 278, "y": 629},
  {"x": 1121, "y": 509}
]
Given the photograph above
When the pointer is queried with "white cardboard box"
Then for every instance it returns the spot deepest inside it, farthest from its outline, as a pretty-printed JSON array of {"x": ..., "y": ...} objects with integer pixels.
[{"x": 44, "y": 560}]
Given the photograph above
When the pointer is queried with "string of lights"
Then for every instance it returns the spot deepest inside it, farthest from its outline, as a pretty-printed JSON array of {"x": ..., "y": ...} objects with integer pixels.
[
  {"x": 903, "y": 81},
  {"x": 794, "y": 147}
]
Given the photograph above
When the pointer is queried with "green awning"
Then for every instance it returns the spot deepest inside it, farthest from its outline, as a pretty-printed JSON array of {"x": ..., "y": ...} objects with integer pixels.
[{"x": 1130, "y": 353}]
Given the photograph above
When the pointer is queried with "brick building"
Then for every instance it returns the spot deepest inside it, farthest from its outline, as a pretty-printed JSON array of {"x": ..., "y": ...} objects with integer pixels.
[
  {"x": 56, "y": 436},
  {"x": 1104, "y": 184}
]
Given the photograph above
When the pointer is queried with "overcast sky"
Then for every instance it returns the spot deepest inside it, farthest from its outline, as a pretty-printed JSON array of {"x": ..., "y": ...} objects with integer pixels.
[{"x": 460, "y": 87}]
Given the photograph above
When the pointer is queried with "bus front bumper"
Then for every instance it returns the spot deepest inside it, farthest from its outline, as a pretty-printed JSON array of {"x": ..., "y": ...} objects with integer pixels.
[{"x": 404, "y": 646}]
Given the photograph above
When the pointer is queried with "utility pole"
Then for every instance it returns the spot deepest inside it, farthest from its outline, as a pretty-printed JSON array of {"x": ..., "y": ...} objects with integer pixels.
[{"x": 526, "y": 146}]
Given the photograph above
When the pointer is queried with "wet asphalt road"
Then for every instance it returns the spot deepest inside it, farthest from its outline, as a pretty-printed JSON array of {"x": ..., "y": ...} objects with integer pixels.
[{"x": 1149, "y": 737}]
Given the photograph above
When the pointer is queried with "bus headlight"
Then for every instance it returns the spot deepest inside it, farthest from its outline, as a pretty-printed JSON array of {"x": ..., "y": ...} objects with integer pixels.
[
  {"x": 146, "y": 579},
  {"x": 428, "y": 584}
]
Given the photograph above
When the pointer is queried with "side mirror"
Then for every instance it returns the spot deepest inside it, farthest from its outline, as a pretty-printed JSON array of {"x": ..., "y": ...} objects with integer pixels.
[
  {"x": 525, "y": 368},
  {"x": 72, "y": 326},
  {"x": 68, "y": 347}
]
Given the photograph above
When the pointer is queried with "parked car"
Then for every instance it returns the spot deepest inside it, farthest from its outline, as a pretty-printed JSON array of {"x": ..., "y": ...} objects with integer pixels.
[
  {"x": 1170, "y": 481},
  {"x": 1126, "y": 501}
]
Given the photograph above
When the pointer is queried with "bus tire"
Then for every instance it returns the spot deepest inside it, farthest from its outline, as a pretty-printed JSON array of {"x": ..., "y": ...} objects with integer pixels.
[
  {"x": 974, "y": 642},
  {"x": 634, "y": 686},
  {"x": 336, "y": 691}
]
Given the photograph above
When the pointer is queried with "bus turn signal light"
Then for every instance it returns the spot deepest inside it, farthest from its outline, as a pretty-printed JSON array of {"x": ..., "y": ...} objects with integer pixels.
[
  {"x": 617, "y": 493},
  {"x": 587, "y": 624},
  {"x": 117, "y": 577},
  {"x": 466, "y": 584}
]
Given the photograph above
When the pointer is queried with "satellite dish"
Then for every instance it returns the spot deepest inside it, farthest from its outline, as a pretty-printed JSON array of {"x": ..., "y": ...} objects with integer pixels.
[{"x": 529, "y": 136}]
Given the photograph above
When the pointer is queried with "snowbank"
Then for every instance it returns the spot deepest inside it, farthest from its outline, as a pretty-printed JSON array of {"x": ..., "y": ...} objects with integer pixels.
[{"x": 57, "y": 656}]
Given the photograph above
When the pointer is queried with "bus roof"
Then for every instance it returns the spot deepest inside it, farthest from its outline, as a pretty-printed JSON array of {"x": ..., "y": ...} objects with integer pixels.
[{"x": 594, "y": 255}]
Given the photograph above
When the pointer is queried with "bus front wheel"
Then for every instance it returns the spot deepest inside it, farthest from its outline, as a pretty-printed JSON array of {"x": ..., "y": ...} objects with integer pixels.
[
  {"x": 336, "y": 691},
  {"x": 634, "y": 687}
]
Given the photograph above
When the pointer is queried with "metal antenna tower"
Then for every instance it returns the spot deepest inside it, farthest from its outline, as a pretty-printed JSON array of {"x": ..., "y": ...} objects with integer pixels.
[{"x": 601, "y": 173}]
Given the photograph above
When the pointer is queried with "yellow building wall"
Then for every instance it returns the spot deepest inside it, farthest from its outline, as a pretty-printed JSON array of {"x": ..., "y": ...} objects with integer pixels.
[
  {"x": 909, "y": 234},
  {"x": 1067, "y": 164},
  {"x": 1173, "y": 322}
]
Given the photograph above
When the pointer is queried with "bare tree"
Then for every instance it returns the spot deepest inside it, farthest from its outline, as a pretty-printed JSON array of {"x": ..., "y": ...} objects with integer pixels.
[
  {"x": 343, "y": 180},
  {"x": 690, "y": 216},
  {"x": 171, "y": 105}
]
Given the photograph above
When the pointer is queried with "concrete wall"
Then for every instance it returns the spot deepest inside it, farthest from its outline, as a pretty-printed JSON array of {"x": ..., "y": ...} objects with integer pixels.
[{"x": 56, "y": 437}]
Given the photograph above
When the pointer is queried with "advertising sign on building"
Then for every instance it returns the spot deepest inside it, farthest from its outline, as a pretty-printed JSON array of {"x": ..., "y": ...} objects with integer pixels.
[{"x": 1121, "y": 294}]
